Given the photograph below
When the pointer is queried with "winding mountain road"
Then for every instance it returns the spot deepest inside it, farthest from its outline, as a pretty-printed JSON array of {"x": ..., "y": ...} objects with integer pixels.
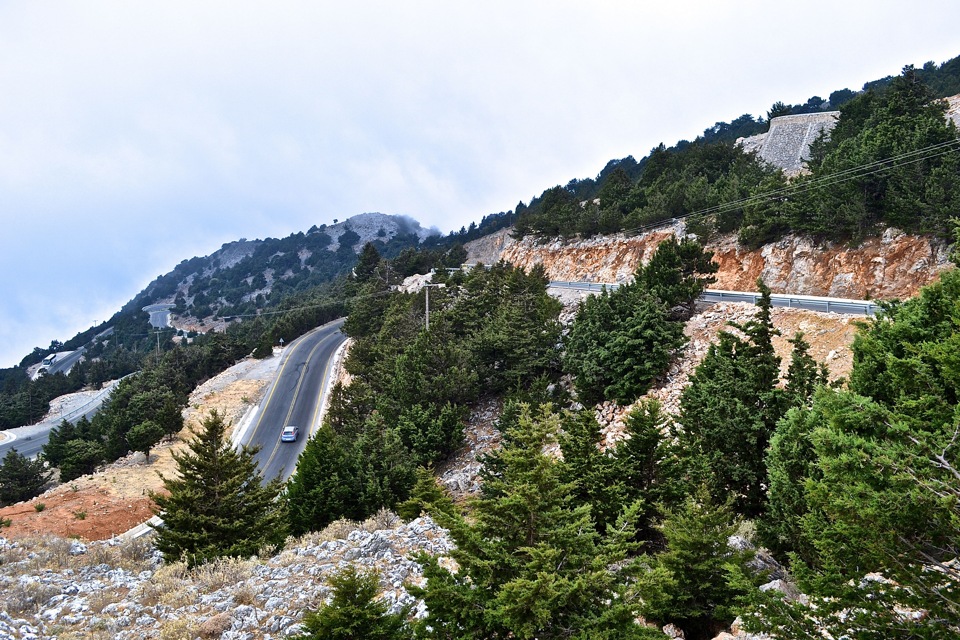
[
  {"x": 812, "y": 303},
  {"x": 29, "y": 440},
  {"x": 296, "y": 397}
]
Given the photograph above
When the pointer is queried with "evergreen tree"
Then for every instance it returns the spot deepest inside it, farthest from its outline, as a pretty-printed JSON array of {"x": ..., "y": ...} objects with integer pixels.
[
  {"x": 531, "y": 563},
  {"x": 80, "y": 457},
  {"x": 585, "y": 344},
  {"x": 620, "y": 341},
  {"x": 698, "y": 579},
  {"x": 593, "y": 473},
  {"x": 21, "y": 478},
  {"x": 427, "y": 496},
  {"x": 55, "y": 450},
  {"x": 731, "y": 408},
  {"x": 677, "y": 274},
  {"x": 920, "y": 195},
  {"x": 354, "y": 613},
  {"x": 791, "y": 463},
  {"x": 650, "y": 467},
  {"x": 327, "y": 484},
  {"x": 872, "y": 514},
  {"x": 387, "y": 469},
  {"x": 144, "y": 436},
  {"x": 618, "y": 344},
  {"x": 218, "y": 505},
  {"x": 367, "y": 263},
  {"x": 804, "y": 374},
  {"x": 870, "y": 505}
]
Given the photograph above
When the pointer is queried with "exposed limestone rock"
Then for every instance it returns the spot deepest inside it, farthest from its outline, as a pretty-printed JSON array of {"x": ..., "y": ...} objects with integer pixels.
[
  {"x": 487, "y": 250},
  {"x": 375, "y": 226},
  {"x": 460, "y": 474},
  {"x": 414, "y": 283},
  {"x": 894, "y": 265},
  {"x": 49, "y": 592},
  {"x": 953, "y": 109}
]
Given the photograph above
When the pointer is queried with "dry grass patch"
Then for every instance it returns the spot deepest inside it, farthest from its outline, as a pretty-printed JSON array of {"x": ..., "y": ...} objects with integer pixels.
[
  {"x": 179, "y": 629},
  {"x": 38, "y": 553},
  {"x": 170, "y": 585},
  {"x": 98, "y": 600},
  {"x": 222, "y": 572},
  {"x": 130, "y": 555},
  {"x": 26, "y": 597},
  {"x": 215, "y": 626},
  {"x": 245, "y": 593},
  {"x": 341, "y": 529}
]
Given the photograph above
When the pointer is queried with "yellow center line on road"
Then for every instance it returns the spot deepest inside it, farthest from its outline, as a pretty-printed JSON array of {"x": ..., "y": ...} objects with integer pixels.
[
  {"x": 293, "y": 401},
  {"x": 273, "y": 389}
]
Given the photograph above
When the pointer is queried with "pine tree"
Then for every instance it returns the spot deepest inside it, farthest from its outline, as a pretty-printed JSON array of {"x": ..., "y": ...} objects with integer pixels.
[
  {"x": 367, "y": 263},
  {"x": 353, "y": 613},
  {"x": 696, "y": 581},
  {"x": 594, "y": 473},
  {"x": 621, "y": 341},
  {"x": 143, "y": 437},
  {"x": 326, "y": 486},
  {"x": 427, "y": 496},
  {"x": 387, "y": 469},
  {"x": 650, "y": 468},
  {"x": 21, "y": 478},
  {"x": 80, "y": 457},
  {"x": 805, "y": 374},
  {"x": 218, "y": 505},
  {"x": 731, "y": 408},
  {"x": 677, "y": 274},
  {"x": 531, "y": 563}
]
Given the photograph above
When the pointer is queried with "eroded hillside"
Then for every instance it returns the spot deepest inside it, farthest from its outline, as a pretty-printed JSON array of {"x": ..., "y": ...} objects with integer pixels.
[{"x": 893, "y": 265}]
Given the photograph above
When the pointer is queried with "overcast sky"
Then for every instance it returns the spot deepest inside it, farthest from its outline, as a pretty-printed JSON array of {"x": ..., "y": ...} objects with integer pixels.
[{"x": 136, "y": 135}]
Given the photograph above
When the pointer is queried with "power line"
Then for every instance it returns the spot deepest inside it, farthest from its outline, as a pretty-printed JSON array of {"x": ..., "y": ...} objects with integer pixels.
[{"x": 853, "y": 173}]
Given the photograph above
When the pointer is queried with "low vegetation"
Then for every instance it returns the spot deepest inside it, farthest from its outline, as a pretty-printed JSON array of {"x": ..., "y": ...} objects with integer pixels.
[{"x": 855, "y": 486}]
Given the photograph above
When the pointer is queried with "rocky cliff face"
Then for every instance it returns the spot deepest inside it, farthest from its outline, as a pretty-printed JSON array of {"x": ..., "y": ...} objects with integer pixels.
[{"x": 894, "y": 265}]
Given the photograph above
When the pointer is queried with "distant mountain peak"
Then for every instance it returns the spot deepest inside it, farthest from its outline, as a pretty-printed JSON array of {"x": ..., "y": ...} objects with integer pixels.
[{"x": 376, "y": 226}]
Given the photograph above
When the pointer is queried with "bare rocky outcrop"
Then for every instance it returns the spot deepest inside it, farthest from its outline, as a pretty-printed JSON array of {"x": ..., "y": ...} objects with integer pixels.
[
  {"x": 375, "y": 226},
  {"x": 953, "y": 109},
  {"x": 893, "y": 265},
  {"x": 55, "y": 587}
]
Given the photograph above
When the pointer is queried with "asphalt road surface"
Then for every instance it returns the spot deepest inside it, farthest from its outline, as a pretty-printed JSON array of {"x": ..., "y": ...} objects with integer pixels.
[
  {"x": 295, "y": 398},
  {"x": 64, "y": 363},
  {"x": 812, "y": 303},
  {"x": 159, "y": 315},
  {"x": 29, "y": 440}
]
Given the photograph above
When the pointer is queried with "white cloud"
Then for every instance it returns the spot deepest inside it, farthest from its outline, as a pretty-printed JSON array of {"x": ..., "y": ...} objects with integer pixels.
[{"x": 139, "y": 134}]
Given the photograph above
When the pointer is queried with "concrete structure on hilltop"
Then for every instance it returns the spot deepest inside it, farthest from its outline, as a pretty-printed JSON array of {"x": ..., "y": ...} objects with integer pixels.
[{"x": 787, "y": 144}]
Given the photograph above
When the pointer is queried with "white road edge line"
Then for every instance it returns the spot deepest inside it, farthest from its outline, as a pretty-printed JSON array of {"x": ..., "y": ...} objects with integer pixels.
[
  {"x": 333, "y": 374},
  {"x": 238, "y": 434}
]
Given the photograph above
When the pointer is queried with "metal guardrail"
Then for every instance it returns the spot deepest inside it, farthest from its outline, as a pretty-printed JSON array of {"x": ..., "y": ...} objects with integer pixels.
[
  {"x": 84, "y": 408},
  {"x": 812, "y": 303}
]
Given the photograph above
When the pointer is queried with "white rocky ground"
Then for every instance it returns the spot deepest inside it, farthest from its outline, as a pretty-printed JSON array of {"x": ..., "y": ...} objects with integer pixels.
[
  {"x": 59, "y": 588},
  {"x": 54, "y": 587}
]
